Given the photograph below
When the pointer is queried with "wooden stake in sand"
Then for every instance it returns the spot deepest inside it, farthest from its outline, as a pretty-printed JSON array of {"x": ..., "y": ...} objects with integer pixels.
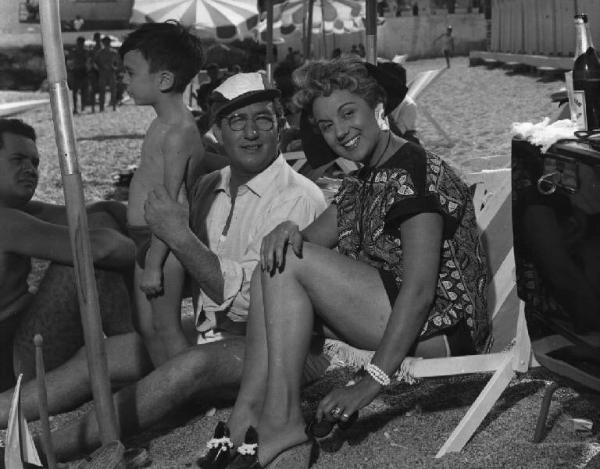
[
  {"x": 77, "y": 218},
  {"x": 40, "y": 372}
]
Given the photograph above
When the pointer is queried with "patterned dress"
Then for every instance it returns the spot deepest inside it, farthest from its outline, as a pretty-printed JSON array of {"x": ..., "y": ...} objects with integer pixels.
[{"x": 372, "y": 203}]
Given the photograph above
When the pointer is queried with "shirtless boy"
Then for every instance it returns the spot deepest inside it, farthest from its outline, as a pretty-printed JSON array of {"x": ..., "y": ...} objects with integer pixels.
[
  {"x": 160, "y": 60},
  {"x": 37, "y": 229}
]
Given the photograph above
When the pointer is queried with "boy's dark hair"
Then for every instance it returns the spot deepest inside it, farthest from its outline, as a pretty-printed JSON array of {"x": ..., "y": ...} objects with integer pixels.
[
  {"x": 167, "y": 46},
  {"x": 17, "y": 127}
]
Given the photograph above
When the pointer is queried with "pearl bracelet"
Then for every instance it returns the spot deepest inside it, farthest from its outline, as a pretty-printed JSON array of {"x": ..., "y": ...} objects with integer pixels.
[{"x": 378, "y": 374}]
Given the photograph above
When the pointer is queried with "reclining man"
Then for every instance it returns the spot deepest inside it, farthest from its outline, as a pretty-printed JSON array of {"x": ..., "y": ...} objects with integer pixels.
[
  {"x": 219, "y": 246},
  {"x": 32, "y": 229}
]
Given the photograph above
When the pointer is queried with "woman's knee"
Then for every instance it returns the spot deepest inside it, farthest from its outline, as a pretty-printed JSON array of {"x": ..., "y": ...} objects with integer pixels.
[{"x": 293, "y": 265}]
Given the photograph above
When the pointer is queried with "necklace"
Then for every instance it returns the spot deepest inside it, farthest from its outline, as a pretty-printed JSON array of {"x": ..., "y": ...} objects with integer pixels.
[{"x": 383, "y": 152}]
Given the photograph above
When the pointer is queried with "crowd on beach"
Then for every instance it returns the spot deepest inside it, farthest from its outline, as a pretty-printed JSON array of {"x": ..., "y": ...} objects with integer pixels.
[{"x": 393, "y": 265}]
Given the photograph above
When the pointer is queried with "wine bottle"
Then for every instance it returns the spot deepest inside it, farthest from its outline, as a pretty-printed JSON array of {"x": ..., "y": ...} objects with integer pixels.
[{"x": 586, "y": 77}]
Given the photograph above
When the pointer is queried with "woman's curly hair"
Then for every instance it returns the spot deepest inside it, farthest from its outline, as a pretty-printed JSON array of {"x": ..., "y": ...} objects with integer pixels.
[{"x": 321, "y": 77}]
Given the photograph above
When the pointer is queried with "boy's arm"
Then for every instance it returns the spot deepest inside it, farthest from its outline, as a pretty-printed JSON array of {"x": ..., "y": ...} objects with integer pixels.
[
  {"x": 176, "y": 154},
  {"x": 29, "y": 236}
]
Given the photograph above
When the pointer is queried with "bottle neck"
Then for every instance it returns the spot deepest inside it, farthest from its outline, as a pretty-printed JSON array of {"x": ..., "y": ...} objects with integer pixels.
[{"x": 583, "y": 37}]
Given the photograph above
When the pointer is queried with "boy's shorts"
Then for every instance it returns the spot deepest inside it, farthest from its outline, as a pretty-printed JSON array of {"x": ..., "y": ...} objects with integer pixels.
[{"x": 141, "y": 236}]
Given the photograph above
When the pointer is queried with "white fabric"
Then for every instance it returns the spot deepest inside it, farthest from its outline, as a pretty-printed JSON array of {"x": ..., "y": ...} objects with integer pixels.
[{"x": 543, "y": 133}]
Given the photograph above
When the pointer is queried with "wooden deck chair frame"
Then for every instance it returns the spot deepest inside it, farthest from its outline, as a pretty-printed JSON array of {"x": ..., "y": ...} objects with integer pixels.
[
  {"x": 493, "y": 207},
  {"x": 298, "y": 161},
  {"x": 416, "y": 87},
  {"x": 10, "y": 109}
]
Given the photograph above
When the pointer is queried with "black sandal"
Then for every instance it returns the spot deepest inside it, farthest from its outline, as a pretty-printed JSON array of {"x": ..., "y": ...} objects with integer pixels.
[{"x": 219, "y": 453}]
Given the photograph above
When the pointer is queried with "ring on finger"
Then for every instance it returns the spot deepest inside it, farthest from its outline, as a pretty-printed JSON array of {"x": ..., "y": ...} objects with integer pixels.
[
  {"x": 345, "y": 416},
  {"x": 335, "y": 412}
]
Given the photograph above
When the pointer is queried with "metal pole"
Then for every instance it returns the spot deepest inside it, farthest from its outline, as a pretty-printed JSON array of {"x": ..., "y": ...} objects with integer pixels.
[
  {"x": 77, "y": 220},
  {"x": 269, "y": 58},
  {"x": 371, "y": 32}
]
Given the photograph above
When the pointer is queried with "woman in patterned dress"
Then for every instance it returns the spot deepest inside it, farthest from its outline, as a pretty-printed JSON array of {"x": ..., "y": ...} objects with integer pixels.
[{"x": 408, "y": 277}]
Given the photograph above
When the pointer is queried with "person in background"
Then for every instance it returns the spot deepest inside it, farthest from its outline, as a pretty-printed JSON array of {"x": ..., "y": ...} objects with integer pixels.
[
  {"x": 361, "y": 50},
  {"x": 93, "y": 73},
  {"x": 337, "y": 52},
  {"x": 447, "y": 42},
  {"x": 107, "y": 63},
  {"x": 202, "y": 93},
  {"x": 354, "y": 50},
  {"x": 78, "y": 23},
  {"x": 403, "y": 117},
  {"x": 77, "y": 63},
  {"x": 415, "y": 9},
  {"x": 289, "y": 57}
]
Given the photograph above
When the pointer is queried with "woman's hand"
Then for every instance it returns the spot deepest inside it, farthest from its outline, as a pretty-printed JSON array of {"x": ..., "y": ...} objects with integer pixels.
[
  {"x": 348, "y": 400},
  {"x": 274, "y": 245}
]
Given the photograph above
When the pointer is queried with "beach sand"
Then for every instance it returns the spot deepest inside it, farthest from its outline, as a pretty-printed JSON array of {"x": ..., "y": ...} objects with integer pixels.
[{"x": 406, "y": 425}]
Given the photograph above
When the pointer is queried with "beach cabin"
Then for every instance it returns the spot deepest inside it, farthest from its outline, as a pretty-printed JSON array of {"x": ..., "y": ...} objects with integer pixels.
[
  {"x": 16, "y": 16},
  {"x": 536, "y": 33}
]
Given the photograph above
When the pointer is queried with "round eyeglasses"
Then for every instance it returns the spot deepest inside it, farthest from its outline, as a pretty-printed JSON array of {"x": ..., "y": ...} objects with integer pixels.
[{"x": 238, "y": 122}]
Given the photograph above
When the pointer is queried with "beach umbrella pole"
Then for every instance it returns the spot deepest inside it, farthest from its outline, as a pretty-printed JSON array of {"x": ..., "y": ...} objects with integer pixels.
[
  {"x": 371, "y": 32},
  {"x": 324, "y": 51},
  {"x": 77, "y": 219},
  {"x": 309, "y": 23},
  {"x": 269, "y": 57}
]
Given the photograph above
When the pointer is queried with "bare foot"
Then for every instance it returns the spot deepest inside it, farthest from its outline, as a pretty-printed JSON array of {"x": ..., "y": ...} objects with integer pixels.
[{"x": 275, "y": 440}]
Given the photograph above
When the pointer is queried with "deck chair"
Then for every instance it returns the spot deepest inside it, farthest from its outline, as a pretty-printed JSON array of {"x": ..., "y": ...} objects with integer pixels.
[
  {"x": 421, "y": 82},
  {"x": 511, "y": 348},
  {"x": 298, "y": 161},
  {"x": 10, "y": 109}
]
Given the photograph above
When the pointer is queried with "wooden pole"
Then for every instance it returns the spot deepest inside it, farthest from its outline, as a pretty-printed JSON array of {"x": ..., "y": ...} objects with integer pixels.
[
  {"x": 269, "y": 57},
  {"x": 309, "y": 23},
  {"x": 77, "y": 220},
  {"x": 371, "y": 32},
  {"x": 304, "y": 20},
  {"x": 324, "y": 51},
  {"x": 40, "y": 372}
]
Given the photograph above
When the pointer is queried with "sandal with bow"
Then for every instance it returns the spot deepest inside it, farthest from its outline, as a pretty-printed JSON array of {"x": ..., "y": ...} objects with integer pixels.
[{"x": 219, "y": 449}]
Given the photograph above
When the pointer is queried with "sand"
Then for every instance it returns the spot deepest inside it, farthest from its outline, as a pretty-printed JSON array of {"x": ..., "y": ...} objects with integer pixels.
[{"x": 405, "y": 426}]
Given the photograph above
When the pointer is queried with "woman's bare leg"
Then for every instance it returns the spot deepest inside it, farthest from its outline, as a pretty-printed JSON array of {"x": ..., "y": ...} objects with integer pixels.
[
  {"x": 248, "y": 405},
  {"x": 351, "y": 300}
]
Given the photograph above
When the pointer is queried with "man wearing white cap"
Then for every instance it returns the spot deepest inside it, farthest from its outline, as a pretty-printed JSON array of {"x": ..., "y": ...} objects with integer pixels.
[{"x": 218, "y": 243}]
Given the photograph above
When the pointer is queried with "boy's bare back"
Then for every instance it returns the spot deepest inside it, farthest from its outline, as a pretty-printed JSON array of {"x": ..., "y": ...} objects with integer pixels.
[{"x": 159, "y": 142}]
